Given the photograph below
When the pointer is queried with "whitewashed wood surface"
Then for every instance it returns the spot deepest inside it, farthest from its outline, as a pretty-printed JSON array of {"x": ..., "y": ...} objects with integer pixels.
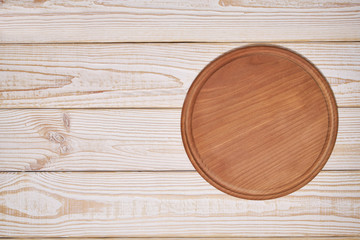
[
  {"x": 174, "y": 21},
  {"x": 90, "y": 101},
  {"x": 171, "y": 204},
  {"x": 141, "y": 75},
  {"x": 122, "y": 140}
]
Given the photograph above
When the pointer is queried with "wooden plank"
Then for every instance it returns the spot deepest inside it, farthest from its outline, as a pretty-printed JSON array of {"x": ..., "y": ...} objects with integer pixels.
[
  {"x": 164, "y": 21},
  {"x": 73, "y": 140},
  {"x": 122, "y": 140},
  {"x": 141, "y": 75},
  {"x": 180, "y": 204}
]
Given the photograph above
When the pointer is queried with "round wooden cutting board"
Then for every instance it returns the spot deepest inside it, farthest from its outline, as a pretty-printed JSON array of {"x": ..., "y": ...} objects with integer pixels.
[{"x": 259, "y": 122}]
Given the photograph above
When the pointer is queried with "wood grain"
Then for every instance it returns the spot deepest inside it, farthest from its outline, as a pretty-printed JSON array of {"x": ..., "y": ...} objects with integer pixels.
[
  {"x": 150, "y": 75},
  {"x": 259, "y": 122},
  {"x": 141, "y": 75},
  {"x": 122, "y": 140},
  {"x": 177, "y": 204},
  {"x": 164, "y": 21}
]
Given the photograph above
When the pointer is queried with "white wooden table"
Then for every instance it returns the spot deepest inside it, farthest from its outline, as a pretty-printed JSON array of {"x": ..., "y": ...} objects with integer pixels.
[{"x": 91, "y": 94}]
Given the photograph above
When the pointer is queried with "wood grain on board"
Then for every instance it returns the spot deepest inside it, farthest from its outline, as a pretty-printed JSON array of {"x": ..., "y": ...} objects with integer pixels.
[
  {"x": 80, "y": 204},
  {"x": 98, "y": 67},
  {"x": 259, "y": 122},
  {"x": 141, "y": 75},
  {"x": 122, "y": 139},
  {"x": 44, "y": 21}
]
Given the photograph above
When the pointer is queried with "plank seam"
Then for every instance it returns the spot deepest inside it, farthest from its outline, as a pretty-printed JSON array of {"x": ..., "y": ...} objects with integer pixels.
[{"x": 176, "y": 42}]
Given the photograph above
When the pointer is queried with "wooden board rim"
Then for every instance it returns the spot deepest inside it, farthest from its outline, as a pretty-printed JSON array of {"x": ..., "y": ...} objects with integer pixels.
[{"x": 217, "y": 63}]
